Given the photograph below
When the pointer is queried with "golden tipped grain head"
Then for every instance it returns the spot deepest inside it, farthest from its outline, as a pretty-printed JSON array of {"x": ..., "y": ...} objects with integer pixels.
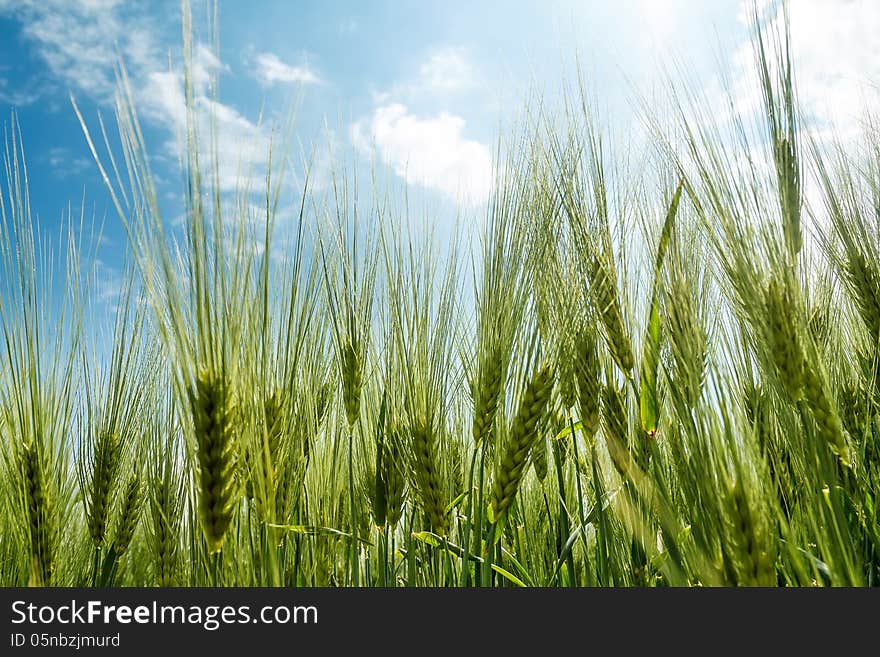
[{"x": 213, "y": 421}]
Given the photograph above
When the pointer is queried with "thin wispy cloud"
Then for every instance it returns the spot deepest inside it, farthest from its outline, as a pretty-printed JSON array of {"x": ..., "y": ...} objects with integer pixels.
[
  {"x": 79, "y": 41},
  {"x": 20, "y": 96},
  {"x": 64, "y": 164},
  {"x": 242, "y": 144},
  {"x": 445, "y": 73},
  {"x": 271, "y": 70},
  {"x": 447, "y": 69}
]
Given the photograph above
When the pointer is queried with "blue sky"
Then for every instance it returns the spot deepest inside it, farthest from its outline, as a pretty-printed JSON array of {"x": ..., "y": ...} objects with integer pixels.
[{"x": 419, "y": 87}]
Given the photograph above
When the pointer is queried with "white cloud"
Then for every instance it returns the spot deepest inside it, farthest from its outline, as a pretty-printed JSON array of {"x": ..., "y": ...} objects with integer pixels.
[
  {"x": 164, "y": 98},
  {"x": 242, "y": 145},
  {"x": 834, "y": 48},
  {"x": 446, "y": 70},
  {"x": 80, "y": 40},
  {"x": 428, "y": 151},
  {"x": 270, "y": 70},
  {"x": 20, "y": 96},
  {"x": 64, "y": 164}
]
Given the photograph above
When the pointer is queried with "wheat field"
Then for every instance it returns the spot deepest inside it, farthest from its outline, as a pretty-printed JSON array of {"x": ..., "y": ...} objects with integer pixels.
[{"x": 662, "y": 373}]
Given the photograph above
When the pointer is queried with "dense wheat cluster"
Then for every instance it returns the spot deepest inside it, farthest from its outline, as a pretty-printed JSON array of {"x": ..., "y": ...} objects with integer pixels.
[{"x": 662, "y": 376}]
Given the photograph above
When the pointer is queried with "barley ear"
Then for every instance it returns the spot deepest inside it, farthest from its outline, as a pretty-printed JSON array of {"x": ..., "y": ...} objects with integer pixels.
[
  {"x": 427, "y": 476},
  {"x": 523, "y": 433},
  {"x": 39, "y": 516},
  {"x": 746, "y": 547},
  {"x": 587, "y": 377},
  {"x": 104, "y": 470},
  {"x": 825, "y": 413},
  {"x": 164, "y": 504},
  {"x": 486, "y": 393},
  {"x": 607, "y": 304},
  {"x": 616, "y": 428},
  {"x": 212, "y": 411},
  {"x": 352, "y": 373},
  {"x": 392, "y": 475},
  {"x": 129, "y": 514},
  {"x": 864, "y": 281},
  {"x": 539, "y": 458},
  {"x": 782, "y": 338}
]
